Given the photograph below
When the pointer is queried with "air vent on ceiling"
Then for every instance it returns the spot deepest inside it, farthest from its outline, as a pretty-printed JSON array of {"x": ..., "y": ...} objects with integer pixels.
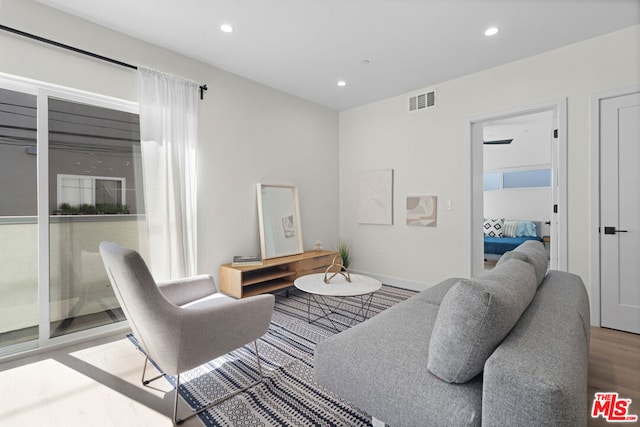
[{"x": 422, "y": 101}]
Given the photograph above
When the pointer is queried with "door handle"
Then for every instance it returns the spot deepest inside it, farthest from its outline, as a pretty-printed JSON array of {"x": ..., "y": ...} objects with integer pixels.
[{"x": 612, "y": 230}]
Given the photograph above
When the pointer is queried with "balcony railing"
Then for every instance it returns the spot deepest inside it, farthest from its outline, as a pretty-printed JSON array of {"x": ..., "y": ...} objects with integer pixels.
[{"x": 80, "y": 293}]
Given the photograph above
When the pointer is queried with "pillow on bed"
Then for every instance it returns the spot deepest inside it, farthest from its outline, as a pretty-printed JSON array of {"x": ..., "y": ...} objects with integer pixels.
[
  {"x": 510, "y": 228},
  {"x": 493, "y": 227},
  {"x": 526, "y": 229}
]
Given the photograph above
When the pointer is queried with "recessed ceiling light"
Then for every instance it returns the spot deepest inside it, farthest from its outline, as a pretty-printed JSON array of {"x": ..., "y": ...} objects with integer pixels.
[
  {"x": 226, "y": 28},
  {"x": 491, "y": 31},
  {"x": 342, "y": 83}
]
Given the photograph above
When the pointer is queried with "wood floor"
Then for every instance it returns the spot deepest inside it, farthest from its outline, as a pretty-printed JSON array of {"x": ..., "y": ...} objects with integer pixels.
[
  {"x": 98, "y": 384},
  {"x": 614, "y": 365}
]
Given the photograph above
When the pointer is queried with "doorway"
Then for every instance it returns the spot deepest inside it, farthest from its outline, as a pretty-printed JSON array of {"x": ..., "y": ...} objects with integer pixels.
[
  {"x": 616, "y": 246},
  {"x": 555, "y": 218}
]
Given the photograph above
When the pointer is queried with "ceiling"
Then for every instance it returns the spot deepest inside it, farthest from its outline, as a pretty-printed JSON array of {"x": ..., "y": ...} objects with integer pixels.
[
  {"x": 515, "y": 127},
  {"x": 380, "y": 48},
  {"x": 531, "y": 145}
]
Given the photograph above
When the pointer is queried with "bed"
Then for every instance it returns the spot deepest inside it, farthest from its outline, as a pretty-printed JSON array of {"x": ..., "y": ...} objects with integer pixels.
[{"x": 502, "y": 236}]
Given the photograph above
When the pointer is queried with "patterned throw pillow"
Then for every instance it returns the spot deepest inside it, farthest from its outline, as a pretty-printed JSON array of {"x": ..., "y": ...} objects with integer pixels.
[
  {"x": 510, "y": 228},
  {"x": 494, "y": 227}
]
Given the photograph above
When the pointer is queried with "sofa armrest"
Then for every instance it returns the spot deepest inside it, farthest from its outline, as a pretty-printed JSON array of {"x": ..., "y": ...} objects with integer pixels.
[
  {"x": 183, "y": 291},
  {"x": 539, "y": 373}
]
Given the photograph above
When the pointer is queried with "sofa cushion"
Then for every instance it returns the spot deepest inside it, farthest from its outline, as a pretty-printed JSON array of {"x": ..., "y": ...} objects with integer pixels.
[
  {"x": 435, "y": 294},
  {"x": 534, "y": 253},
  {"x": 475, "y": 315},
  {"x": 378, "y": 366}
]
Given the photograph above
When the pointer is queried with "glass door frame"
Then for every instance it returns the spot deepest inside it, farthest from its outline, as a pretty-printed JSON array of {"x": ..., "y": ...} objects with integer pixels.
[{"x": 43, "y": 92}]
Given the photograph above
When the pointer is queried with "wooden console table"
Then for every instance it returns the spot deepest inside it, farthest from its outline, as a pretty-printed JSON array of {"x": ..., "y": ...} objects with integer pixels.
[{"x": 273, "y": 274}]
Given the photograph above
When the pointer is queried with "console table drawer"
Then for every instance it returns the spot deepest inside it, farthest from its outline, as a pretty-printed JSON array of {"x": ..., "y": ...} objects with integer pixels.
[{"x": 315, "y": 263}]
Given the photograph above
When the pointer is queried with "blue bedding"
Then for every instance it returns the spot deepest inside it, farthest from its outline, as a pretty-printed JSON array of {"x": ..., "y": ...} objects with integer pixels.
[{"x": 500, "y": 245}]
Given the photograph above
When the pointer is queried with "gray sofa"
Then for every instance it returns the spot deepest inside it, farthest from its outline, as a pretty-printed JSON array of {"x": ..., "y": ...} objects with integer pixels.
[{"x": 509, "y": 347}]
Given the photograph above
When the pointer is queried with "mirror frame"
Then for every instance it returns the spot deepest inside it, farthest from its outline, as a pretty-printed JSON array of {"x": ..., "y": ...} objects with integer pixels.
[{"x": 297, "y": 228}]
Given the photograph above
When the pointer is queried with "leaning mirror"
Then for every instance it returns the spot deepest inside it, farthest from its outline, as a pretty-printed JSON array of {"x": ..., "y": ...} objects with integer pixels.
[{"x": 279, "y": 217}]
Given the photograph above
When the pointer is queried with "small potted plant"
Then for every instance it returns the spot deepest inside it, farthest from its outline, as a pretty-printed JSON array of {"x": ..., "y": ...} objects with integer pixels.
[{"x": 344, "y": 249}]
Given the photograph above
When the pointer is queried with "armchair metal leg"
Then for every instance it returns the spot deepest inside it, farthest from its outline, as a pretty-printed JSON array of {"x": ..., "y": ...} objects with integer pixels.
[
  {"x": 195, "y": 412},
  {"x": 144, "y": 371}
]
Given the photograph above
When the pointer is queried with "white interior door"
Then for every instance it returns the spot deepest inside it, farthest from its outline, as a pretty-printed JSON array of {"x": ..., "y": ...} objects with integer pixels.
[{"x": 620, "y": 212}]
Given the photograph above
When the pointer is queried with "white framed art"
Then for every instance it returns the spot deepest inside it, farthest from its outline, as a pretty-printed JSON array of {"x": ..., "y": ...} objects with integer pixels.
[{"x": 375, "y": 197}]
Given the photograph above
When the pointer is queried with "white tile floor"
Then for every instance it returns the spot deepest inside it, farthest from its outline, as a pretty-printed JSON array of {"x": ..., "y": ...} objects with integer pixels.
[{"x": 92, "y": 384}]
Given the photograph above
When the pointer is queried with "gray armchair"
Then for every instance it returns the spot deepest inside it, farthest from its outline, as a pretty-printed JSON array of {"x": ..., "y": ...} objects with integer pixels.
[{"x": 185, "y": 323}]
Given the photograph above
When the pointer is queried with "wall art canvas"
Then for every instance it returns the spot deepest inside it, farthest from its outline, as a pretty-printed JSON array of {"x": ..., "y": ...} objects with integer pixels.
[
  {"x": 422, "y": 211},
  {"x": 375, "y": 197}
]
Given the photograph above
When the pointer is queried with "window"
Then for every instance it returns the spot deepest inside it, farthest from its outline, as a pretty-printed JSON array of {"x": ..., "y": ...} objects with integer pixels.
[
  {"x": 527, "y": 179},
  {"x": 74, "y": 190},
  {"x": 80, "y": 191},
  {"x": 492, "y": 181},
  {"x": 538, "y": 178},
  {"x": 108, "y": 191}
]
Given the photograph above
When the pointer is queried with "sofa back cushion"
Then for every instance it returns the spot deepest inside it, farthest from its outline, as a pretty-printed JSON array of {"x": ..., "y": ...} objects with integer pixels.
[
  {"x": 534, "y": 253},
  {"x": 475, "y": 316}
]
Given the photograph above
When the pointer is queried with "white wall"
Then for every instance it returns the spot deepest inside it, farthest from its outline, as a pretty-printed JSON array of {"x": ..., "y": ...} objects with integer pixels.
[
  {"x": 428, "y": 153},
  {"x": 530, "y": 149},
  {"x": 248, "y": 132},
  {"x": 532, "y": 204}
]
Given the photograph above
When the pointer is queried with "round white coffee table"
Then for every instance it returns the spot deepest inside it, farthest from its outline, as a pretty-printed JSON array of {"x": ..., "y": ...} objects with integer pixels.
[{"x": 330, "y": 297}]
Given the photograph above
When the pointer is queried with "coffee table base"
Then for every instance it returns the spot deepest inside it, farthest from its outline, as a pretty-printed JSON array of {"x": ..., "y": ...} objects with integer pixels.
[{"x": 323, "y": 303}]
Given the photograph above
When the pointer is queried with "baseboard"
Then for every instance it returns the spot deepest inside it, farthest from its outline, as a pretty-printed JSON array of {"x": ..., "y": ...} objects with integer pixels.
[{"x": 395, "y": 281}]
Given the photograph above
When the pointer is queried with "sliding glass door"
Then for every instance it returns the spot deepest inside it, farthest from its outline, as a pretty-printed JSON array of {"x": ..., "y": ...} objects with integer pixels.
[
  {"x": 70, "y": 178},
  {"x": 94, "y": 195},
  {"x": 18, "y": 219}
]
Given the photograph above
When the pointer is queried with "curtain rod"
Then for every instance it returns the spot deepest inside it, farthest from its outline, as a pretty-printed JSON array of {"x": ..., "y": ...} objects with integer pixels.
[{"x": 81, "y": 51}]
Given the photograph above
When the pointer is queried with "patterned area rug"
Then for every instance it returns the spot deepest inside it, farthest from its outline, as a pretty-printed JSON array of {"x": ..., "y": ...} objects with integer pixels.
[{"x": 288, "y": 394}]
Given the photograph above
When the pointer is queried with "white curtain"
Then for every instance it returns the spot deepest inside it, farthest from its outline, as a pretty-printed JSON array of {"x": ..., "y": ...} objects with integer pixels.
[{"x": 168, "y": 134}]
